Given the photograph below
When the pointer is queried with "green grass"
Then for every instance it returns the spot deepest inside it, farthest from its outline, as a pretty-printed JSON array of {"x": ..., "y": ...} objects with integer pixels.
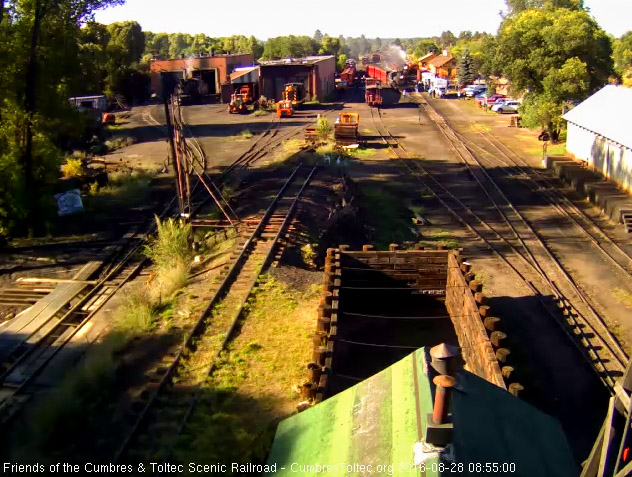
[
  {"x": 363, "y": 153},
  {"x": 417, "y": 209},
  {"x": 425, "y": 193},
  {"x": 289, "y": 148},
  {"x": 245, "y": 134},
  {"x": 388, "y": 217},
  {"x": 251, "y": 390},
  {"x": 551, "y": 150},
  {"x": 125, "y": 188},
  {"x": 323, "y": 128},
  {"x": 137, "y": 314}
]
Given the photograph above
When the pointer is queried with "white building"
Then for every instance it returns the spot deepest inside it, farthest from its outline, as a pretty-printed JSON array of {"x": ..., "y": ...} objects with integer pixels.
[{"x": 599, "y": 132}]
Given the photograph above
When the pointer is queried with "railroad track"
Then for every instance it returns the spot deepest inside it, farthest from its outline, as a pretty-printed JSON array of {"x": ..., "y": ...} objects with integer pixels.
[
  {"x": 21, "y": 366},
  {"x": 175, "y": 385},
  {"x": 541, "y": 184},
  {"x": 505, "y": 231}
]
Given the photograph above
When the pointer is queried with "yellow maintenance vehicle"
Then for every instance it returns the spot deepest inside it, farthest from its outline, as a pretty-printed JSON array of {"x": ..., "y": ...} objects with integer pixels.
[
  {"x": 240, "y": 99},
  {"x": 346, "y": 129}
]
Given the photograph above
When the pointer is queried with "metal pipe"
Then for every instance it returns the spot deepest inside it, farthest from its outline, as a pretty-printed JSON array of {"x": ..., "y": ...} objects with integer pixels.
[{"x": 442, "y": 398}]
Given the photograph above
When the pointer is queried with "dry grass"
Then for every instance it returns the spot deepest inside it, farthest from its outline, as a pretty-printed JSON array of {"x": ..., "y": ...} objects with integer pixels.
[
  {"x": 253, "y": 387},
  {"x": 119, "y": 142},
  {"x": 622, "y": 297},
  {"x": 137, "y": 314}
]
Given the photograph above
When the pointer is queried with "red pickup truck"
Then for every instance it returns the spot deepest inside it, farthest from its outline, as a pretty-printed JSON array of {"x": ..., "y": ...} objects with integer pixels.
[{"x": 489, "y": 100}]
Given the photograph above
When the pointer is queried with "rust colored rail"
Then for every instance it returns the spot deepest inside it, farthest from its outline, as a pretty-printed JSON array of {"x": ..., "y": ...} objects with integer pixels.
[{"x": 196, "y": 334}]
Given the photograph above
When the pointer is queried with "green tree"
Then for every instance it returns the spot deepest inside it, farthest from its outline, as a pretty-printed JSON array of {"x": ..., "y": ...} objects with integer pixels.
[
  {"x": 330, "y": 46},
  {"x": 93, "y": 41},
  {"x": 341, "y": 61},
  {"x": 466, "y": 69},
  {"x": 124, "y": 50},
  {"x": 552, "y": 55},
  {"x": 447, "y": 39},
  {"x": 363, "y": 45},
  {"x": 318, "y": 36},
  {"x": 423, "y": 47},
  {"x": 40, "y": 66},
  {"x": 179, "y": 44},
  {"x": 516, "y": 7},
  {"x": 289, "y": 46},
  {"x": 623, "y": 57}
]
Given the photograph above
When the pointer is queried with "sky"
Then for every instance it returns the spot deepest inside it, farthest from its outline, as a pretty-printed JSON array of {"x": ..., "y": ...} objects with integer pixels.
[{"x": 270, "y": 18}]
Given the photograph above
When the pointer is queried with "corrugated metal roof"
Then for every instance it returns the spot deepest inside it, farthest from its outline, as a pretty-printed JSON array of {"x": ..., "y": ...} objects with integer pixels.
[
  {"x": 376, "y": 422},
  {"x": 308, "y": 60},
  {"x": 245, "y": 75},
  {"x": 606, "y": 113}
]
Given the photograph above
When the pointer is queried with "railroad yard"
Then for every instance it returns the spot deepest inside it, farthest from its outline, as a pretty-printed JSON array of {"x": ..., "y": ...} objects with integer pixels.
[{"x": 225, "y": 356}]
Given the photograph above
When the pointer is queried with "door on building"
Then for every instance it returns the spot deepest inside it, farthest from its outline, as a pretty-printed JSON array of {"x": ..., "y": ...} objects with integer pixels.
[
  {"x": 208, "y": 81},
  {"x": 169, "y": 80}
]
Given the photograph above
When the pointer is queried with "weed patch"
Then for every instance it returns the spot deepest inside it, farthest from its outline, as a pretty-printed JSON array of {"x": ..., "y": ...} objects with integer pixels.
[
  {"x": 251, "y": 390},
  {"x": 118, "y": 142},
  {"x": 245, "y": 134},
  {"x": 622, "y": 297}
]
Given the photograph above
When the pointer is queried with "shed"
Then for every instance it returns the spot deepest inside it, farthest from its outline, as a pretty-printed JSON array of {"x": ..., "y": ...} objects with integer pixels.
[
  {"x": 245, "y": 75},
  {"x": 316, "y": 73},
  {"x": 599, "y": 133},
  {"x": 378, "y": 421}
]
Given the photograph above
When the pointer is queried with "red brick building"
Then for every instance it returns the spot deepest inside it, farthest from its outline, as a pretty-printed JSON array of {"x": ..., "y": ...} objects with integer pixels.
[{"x": 212, "y": 71}]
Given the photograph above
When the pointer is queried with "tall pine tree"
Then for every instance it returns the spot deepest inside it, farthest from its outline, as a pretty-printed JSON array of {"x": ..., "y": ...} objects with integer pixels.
[{"x": 466, "y": 68}]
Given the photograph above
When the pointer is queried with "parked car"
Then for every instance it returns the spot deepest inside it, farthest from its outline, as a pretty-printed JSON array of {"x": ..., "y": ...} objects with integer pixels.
[
  {"x": 506, "y": 107},
  {"x": 475, "y": 90},
  {"x": 489, "y": 100}
]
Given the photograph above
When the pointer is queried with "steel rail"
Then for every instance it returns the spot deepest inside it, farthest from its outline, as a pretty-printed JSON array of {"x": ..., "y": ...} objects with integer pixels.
[
  {"x": 611, "y": 342},
  {"x": 592, "y": 352},
  {"x": 198, "y": 327},
  {"x": 239, "y": 313},
  {"x": 555, "y": 196}
]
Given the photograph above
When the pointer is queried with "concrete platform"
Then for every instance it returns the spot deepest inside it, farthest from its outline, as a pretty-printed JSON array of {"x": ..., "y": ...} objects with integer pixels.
[{"x": 597, "y": 189}]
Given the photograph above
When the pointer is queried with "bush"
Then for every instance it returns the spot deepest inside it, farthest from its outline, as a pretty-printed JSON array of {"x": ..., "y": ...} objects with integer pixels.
[
  {"x": 94, "y": 189},
  {"x": 323, "y": 128},
  {"x": 136, "y": 314},
  {"x": 171, "y": 255},
  {"x": 118, "y": 142},
  {"x": 171, "y": 244},
  {"x": 72, "y": 168}
]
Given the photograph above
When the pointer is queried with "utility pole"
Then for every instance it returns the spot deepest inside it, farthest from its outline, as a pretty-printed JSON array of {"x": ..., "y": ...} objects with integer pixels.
[
  {"x": 29, "y": 107},
  {"x": 172, "y": 149}
]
